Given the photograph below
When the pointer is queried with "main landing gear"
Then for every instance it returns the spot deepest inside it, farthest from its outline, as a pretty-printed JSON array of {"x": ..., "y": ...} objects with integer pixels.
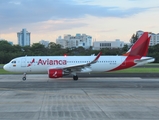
[
  {"x": 75, "y": 77},
  {"x": 24, "y": 77}
]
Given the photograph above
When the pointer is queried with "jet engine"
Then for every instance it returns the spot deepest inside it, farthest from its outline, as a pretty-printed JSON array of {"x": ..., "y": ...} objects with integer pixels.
[{"x": 55, "y": 73}]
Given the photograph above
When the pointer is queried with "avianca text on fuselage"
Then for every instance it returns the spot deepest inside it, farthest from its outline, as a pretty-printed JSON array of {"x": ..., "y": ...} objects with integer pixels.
[{"x": 51, "y": 62}]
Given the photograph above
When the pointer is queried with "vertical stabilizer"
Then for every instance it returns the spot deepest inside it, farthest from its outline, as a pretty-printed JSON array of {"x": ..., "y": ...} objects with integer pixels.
[{"x": 140, "y": 48}]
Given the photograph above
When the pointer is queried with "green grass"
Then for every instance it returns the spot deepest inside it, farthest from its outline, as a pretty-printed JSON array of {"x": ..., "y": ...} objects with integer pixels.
[
  {"x": 6, "y": 72},
  {"x": 129, "y": 70},
  {"x": 138, "y": 70},
  {"x": 153, "y": 64}
]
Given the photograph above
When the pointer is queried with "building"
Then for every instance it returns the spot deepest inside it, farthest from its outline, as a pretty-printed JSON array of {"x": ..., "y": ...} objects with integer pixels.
[
  {"x": 97, "y": 45},
  {"x": 79, "y": 40},
  {"x": 62, "y": 42},
  {"x": 44, "y": 42},
  {"x": 23, "y": 38},
  {"x": 154, "y": 37}
]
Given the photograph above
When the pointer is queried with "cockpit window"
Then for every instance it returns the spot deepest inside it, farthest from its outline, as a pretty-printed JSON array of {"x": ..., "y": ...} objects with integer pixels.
[{"x": 13, "y": 62}]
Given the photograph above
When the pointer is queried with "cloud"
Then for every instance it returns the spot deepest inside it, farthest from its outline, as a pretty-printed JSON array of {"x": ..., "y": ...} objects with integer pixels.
[
  {"x": 16, "y": 3},
  {"x": 52, "y": 25},
  {"x": 106, "y": 31},
  {"x": 14, "y": 13}
]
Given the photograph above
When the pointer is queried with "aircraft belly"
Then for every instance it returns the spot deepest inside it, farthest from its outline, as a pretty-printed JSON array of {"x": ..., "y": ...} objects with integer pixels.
[
  {"x": 32, "y": 69},
  {"x": 39, "y": 69},
  {"x": 101, "y": 68}
]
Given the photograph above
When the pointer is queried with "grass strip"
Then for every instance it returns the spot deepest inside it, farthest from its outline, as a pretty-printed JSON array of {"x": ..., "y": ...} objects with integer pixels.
[
  {"x": 138, "y": 70},
  {"x": 129, "y": 70},
  {"x": 2, "y": 71}
]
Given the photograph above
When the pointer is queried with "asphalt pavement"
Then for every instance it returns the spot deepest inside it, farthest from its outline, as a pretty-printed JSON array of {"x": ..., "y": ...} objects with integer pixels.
[{"x": 89, "y": 98}]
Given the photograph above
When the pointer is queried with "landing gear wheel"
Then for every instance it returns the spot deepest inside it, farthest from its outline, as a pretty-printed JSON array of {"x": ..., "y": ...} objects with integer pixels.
[
  {"x": 24, "y": 78},
  {"x": 75, "y": 77}
]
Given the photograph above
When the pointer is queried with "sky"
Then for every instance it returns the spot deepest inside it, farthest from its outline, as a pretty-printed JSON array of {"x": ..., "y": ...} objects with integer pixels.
[{"x": 102, "y": 19}]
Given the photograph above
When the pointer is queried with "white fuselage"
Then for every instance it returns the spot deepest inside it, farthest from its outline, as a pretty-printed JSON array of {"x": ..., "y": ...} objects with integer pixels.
[{"x": 41, "y": 64}]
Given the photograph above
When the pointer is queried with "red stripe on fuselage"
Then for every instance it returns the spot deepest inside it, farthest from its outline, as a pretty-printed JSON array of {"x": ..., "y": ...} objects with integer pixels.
[{"x": 128, "y": 62}]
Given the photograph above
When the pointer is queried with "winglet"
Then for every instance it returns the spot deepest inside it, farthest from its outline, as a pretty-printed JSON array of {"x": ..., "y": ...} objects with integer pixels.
[{"x": 96, "y": 59}]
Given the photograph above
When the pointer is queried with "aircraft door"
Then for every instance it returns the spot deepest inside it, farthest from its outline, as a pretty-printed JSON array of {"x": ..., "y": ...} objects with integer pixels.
[{"x": 23, "y": 62}]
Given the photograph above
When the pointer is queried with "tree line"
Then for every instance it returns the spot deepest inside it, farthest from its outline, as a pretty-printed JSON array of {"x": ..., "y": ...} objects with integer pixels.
[{"x": 8, "y": 51}]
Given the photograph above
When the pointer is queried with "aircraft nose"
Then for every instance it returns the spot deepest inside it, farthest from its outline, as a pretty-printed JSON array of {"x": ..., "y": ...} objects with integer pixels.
[{"x": 5, "y": 67}]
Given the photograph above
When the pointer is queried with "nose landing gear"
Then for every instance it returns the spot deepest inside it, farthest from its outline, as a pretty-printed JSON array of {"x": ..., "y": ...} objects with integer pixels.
[{"x": 24, "y": 77}]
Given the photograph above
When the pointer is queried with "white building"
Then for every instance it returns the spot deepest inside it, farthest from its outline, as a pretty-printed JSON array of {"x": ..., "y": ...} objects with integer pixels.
[
  {"x": 97, "y": 45},
  {"x": 154, "y": 37},
  {"x": 23, "y": 38},
  {"x": 62, "y": 42},
  {"x": 44, "y": 42},
  {"x": 69, "y": 41}
]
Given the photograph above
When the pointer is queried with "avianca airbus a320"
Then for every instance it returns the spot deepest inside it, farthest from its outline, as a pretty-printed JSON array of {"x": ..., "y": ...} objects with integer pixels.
[{"x": 58, "y": 66}]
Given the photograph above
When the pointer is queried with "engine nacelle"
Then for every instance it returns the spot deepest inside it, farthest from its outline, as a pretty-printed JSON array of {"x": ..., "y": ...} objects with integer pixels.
[{"x": 55, "y": 73}]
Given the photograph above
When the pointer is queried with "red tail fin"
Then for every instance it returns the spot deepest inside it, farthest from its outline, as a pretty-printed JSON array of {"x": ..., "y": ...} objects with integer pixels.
[{"x": 140, "y": 48}]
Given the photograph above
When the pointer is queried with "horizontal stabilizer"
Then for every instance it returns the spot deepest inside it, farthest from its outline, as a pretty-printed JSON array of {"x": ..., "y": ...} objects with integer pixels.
[{"x": 144, "y": 60}]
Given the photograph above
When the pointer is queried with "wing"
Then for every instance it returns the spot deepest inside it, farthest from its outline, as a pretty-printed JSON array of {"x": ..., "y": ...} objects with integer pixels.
[{"x": 79, "y": 67}]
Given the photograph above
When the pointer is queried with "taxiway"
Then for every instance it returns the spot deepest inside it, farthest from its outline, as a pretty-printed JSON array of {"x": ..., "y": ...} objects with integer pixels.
[{"x": 89, "y": 98}]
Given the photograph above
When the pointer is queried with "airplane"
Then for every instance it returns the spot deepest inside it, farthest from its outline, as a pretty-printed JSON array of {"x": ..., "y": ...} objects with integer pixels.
[{"x": 58, "y": 66}]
